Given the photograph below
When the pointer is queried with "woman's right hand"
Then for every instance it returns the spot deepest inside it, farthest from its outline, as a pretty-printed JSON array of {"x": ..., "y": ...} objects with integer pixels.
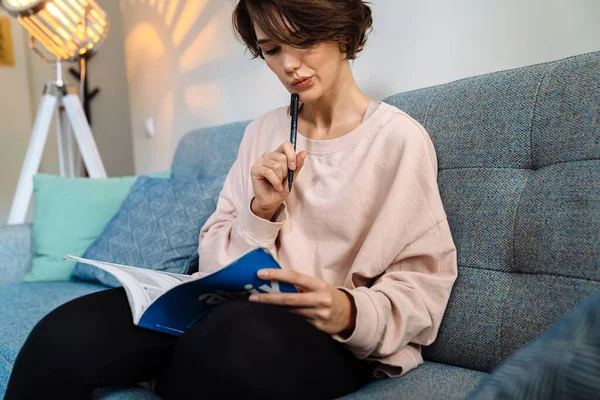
[{"x": 269, "y": 178}]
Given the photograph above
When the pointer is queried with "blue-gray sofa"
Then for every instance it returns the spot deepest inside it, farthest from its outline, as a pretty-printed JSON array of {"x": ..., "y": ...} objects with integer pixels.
[{"x": 519, "y": 175}]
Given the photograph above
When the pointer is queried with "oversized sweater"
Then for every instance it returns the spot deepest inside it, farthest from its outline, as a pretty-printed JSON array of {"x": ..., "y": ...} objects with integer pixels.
[{"x": 364, "y": 215}]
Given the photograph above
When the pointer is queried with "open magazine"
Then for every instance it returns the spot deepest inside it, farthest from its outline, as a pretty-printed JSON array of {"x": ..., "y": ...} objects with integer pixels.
[{"x": 171, "y": 303}]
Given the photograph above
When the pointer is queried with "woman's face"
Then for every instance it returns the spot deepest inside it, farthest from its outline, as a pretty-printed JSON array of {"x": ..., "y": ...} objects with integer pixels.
[{"x": 310, "y": 72}]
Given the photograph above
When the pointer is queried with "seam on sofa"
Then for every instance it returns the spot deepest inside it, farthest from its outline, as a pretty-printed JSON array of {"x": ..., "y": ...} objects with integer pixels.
[
  {"x": 570, "y": 161},
  {"x": 514, "y": 227},
  {"x": 498, "y": 352},
  {"x": 535, "y": 106},
  {"x": 457, "y": 168},
  {"x": 433, "y": 96},
  {"x": 531, "y": 273}
]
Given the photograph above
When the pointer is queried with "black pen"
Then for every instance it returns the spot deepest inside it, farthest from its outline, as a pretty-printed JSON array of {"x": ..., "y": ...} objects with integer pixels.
[{"x": 293, "y": 131}]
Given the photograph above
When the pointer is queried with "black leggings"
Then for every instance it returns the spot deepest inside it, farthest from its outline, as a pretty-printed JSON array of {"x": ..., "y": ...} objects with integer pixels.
[{"x": 241, "y": 350}]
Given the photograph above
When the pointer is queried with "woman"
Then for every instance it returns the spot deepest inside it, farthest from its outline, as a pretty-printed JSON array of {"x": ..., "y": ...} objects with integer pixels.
[{"x": 363, "y": 236}]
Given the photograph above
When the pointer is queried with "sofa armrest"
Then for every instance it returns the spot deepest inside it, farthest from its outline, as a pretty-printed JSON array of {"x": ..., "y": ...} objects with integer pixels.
[{"x": 15, "y": 252}]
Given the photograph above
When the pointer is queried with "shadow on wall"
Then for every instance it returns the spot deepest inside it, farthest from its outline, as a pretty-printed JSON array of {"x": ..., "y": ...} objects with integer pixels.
[{"x": 179, "y": 56}]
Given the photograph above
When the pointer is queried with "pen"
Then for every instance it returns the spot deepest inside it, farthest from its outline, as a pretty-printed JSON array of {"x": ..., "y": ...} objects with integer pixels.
[{"x": 293, "y": 131}]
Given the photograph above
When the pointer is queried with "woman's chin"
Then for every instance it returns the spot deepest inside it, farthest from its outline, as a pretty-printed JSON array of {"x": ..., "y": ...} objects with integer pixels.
[{"x": 307, "y": 96}]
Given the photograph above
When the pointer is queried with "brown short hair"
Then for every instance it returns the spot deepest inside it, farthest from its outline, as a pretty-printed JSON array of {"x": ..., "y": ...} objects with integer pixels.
[{"x": 303, "y": 23}]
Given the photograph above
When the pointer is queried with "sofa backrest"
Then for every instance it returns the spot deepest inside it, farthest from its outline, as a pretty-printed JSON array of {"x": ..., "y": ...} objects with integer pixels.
[
  {"x": 208, "y": 152},
  {"x": 519, "y": 175}
]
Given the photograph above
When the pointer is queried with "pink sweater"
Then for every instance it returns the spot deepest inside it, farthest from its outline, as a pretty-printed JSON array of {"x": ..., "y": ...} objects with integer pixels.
[{"x": 365, "y": 215}]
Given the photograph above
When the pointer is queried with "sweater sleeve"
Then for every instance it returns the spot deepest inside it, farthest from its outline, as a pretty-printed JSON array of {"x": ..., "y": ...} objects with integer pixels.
[
  {"x": 233, "y": 229},
  {"x": 407, "y": 302},
  {"x": 400, "y": 301}
]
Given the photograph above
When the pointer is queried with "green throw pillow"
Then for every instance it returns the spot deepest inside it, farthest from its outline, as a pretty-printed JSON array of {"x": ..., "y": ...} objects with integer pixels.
[{"x": 69, "y": 214}]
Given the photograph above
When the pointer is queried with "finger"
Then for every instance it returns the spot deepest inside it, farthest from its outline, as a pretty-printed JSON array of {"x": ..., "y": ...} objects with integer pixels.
[
  {"x": 271, "y": 176},
  {"x": 281, "y": 160},
  {"x": 300, "y": 158},
  {"x": 266, "y": 161},
  {"x": 306, "y": 312},
  {"x": 295, "y": 278},
  {"x": 310, "y": 299},
  {"x": 279, "y": 169},
  {"x": 288, "y": 149}
]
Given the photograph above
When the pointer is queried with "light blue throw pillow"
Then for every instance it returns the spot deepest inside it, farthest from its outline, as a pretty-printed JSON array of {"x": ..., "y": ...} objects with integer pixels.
[{"x": 157, "y": 227}]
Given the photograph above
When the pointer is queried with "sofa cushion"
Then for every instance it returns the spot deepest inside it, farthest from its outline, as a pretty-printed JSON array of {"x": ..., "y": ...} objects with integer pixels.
[
  {"x": 157, "y": 227},
  {"x": 563, "y": 363},
  {"x": 428, "y": 381},
  {"x": 23, "y": 305}
]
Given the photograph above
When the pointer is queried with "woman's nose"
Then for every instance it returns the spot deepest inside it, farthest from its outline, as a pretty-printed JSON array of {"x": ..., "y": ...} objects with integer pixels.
[{"x": 291, "y": 60}]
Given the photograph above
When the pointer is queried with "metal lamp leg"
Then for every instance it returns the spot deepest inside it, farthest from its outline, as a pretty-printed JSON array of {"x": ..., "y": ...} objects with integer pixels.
[
  {"x": 84, "y": 137},
  {"x": 33, "y": 158}
]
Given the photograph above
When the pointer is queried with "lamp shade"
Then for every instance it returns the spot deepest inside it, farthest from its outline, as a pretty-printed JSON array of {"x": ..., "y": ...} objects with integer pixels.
[{"x": 66, "y": 28}]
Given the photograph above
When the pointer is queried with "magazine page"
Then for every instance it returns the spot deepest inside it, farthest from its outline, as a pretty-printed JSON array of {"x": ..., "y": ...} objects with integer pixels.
[
  {"x": 143, "y": 286},
  {"x": 155, "y": 279}
]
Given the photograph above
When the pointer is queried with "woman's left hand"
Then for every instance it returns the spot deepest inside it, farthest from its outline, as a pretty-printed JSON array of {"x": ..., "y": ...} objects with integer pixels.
[{"x": 326, "y": 307}]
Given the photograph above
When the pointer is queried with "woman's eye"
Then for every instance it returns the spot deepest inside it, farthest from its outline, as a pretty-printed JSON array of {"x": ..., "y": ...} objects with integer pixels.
[{"x": 272, "y": 51}]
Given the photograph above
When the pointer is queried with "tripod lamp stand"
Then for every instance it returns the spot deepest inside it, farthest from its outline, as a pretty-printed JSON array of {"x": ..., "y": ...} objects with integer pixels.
[{"x": 69, "y": 30}]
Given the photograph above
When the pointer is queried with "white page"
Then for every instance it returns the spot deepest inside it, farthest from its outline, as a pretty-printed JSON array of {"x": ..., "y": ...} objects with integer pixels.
[
  {"x": 156, "y": 279},
  {"x": 135, "y": 293},
  {"x": 142, "y": 286}
]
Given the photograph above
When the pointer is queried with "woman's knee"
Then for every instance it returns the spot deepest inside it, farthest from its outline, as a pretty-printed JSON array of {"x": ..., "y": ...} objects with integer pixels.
[
  {"x": 50, "y": 357},
  {"x": 52, "y": 337}
]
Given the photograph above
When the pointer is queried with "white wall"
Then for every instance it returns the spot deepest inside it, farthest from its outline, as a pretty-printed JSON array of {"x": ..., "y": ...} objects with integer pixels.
[
  {"x": 15, "y": 117},
  {"x": 20, "y": 91},
  {"x": 430, "y": 42},
  {"x": 185, "y": 69}
]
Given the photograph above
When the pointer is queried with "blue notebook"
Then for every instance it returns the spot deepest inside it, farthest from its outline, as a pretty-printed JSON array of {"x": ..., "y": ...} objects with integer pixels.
[{"x": 171, "y": 303}]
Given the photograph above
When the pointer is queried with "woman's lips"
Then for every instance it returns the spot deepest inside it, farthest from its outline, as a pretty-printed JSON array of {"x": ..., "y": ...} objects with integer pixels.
[{"x": 302, "y": 83}]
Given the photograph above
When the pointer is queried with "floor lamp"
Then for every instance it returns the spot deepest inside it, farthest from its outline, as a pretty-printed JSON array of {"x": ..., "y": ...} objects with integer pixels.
[{"x": 68, "y": 30}]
